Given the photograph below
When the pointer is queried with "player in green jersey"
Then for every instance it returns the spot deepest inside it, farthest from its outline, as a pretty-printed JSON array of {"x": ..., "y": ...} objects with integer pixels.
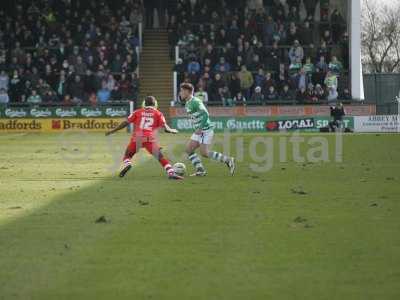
[{"x": 204, "y": 132}]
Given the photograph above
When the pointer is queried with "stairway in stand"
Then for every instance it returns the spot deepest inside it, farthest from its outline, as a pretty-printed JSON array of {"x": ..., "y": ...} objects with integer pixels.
[{"x": 156, "y": 77}]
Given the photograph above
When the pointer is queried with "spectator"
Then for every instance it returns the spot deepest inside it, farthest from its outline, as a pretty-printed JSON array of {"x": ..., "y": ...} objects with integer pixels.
[
  {"x": 306, "y": 34},
  {"x": 49, "y": 97},
  {"x": 89, "y": 83},
  {"x": 34, "y": 98},
  {"x": 309, "y": 67},
  {"x": 202, "y": 95},
  {"x": 257, "y": 97},
  {"x": 310, "y": 7},
  {"x": 296, "y": 53},
  {"x": 61, "y": 86},
  {"x": 222, "y": 63},
  {"x": 331, "y": 81},
  {"x": 295, "y": 67},
  {"x": 286, "y": 94},
  {"x": 335, "y": 66},
  {"x": 27, "y": 91},
  {"x": 271, "y": 95},
  {"x": 104, "y": 94},
  {"x": 346, "y": 95},
  {"x": 322, "y": 64},
  {"x": 193, "y": 66},
  {"x": 311, "y": 96},
  {"x": 338, "y": 25},
  {"x": 215, "y": 86},
  {"x": 239, "y": 99},
  {"x": 323, "y": 51},
  {"x": 205, "y": 81},
  {"x": 93, "y": 99},
  {"x": 210, "y": 54},
  {"x": 80, "y": 66},
  {"x": 293, "y": 15},
  {"x": 269, "y": 81},
  {"x": 16, "y": 87},
  {"x": 126, "y": 88},
  {"x": 4, "y": 80},
  {"x": 301, "y": 96},
  {"x": 226, "y": 96},
  {"x": 4, "y": 98},
  {"x": 332, "y": 95},
  {"x": 311, "y": 52},
  {"x": 270, "y": 27},
  {"x": 234, "y": 84},
  {"x": 259, "y": 79},
  {"x": 237, "y": 67},
  {"x": 318, "y": 77},
  {"x": 76, "y": 90},
  {"x": 246, "y": 81},
  {"x": 280, "y": 36},
  {"x": 180, "y": 69},
  {"x": 319, "y": 92},
  {"x": 111, "y": 82},
  {"x": 255, "y": 64},
  {"x": 301, "y": 80},
  {"x": 135, "y": 85}
]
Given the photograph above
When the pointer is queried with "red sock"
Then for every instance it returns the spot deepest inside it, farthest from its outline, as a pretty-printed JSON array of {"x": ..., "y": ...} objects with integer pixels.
[{"x": 166, "y": 165}]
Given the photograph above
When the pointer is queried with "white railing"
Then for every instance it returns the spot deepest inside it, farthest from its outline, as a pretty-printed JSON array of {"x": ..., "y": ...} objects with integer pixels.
[
  {"x": 175, "y": 74},
  {"x": 176, "y": 54},
  {"x": 140, "y": 30}
]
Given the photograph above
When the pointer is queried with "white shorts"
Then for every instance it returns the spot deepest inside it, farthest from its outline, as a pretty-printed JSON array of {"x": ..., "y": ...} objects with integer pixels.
[{"x": 205, "y": 137}]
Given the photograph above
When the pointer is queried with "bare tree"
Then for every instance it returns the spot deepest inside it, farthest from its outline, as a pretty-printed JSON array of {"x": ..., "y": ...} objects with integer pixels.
[{"x": 380, "y": 37}]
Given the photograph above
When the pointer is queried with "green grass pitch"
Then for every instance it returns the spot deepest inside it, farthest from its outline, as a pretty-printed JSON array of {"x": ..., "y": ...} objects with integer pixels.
[{"x": 323, "y": 230}]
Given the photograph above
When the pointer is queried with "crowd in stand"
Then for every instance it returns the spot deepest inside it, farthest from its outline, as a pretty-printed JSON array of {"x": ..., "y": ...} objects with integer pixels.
[
  {"x": 69, "y": 52},
  {"x": 238, "y": 53}
]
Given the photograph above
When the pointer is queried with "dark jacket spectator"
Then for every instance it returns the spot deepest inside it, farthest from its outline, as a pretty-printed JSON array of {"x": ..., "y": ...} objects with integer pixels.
[
  {"x": 257, "y": 97},
  {"x": 286, "y": 94},
  {"x": 271, "y": 95},
  {"x": 234, "y": 84}
]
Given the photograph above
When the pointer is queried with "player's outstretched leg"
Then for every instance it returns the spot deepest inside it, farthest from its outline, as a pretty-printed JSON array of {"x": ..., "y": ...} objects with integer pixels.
[
  {"x": 220, "y": 157},
  {"x": 155, "y": 150},
  {"x": 127, "y": 165},
  {"x": 168, "y": 168},
  {"x": 127, "y": 162}
]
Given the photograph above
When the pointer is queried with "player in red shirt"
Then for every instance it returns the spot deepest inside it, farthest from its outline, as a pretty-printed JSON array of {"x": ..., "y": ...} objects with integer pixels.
[{"x": 146, "y": 121}]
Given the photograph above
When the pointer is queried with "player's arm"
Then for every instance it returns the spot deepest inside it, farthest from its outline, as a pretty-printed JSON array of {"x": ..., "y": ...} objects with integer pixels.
[
  {"x": 123, "y": 125},
  {"x": 163, "y": 124},
  {"x": 204, "y": 119},
  {"x": 169, "y": 129}
]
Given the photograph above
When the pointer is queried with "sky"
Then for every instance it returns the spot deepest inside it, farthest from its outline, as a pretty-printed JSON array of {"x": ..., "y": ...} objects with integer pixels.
[{"x": 387, "y": 2}]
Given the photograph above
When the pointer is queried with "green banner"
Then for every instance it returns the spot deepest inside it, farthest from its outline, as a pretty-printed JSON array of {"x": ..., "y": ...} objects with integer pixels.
[
  {"x": 65, "y": 112},
  {"x": 259, "y": 124}
]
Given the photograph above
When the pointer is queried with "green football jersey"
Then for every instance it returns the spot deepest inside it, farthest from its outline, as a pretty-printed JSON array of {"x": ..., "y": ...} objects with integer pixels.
[{"x": 199, "y": 114}]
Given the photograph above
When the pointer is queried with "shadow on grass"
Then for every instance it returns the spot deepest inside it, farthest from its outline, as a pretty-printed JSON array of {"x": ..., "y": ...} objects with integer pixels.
[{"x": 60, "y": 251}]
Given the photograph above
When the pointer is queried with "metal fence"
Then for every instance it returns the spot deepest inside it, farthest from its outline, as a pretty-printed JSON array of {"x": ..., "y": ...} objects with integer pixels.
[{"x": 382, "y": 89}]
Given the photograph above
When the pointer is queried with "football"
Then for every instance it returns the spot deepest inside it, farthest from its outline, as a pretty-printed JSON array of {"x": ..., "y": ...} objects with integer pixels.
[{"x": 179, "y": 168}]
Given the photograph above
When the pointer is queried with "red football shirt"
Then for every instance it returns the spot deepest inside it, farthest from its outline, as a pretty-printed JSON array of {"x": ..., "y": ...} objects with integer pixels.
[{"x": 146, "y": 121}]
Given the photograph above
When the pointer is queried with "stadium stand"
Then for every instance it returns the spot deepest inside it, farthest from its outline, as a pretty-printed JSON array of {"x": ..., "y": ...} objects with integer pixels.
[
  {"x": 69, "y": 52},
  {"x": 238, "y": 53}
]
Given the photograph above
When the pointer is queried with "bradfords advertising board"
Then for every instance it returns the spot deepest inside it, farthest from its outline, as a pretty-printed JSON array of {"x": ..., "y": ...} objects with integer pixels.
[
  {"x": 259, "y": 124},
  {"x": 385, "y": 123},
  {"x": 57, "y": 125}
]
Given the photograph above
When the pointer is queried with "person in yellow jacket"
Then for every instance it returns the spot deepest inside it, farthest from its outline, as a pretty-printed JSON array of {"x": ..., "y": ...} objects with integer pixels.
[{"x": 246, "y": 81}]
